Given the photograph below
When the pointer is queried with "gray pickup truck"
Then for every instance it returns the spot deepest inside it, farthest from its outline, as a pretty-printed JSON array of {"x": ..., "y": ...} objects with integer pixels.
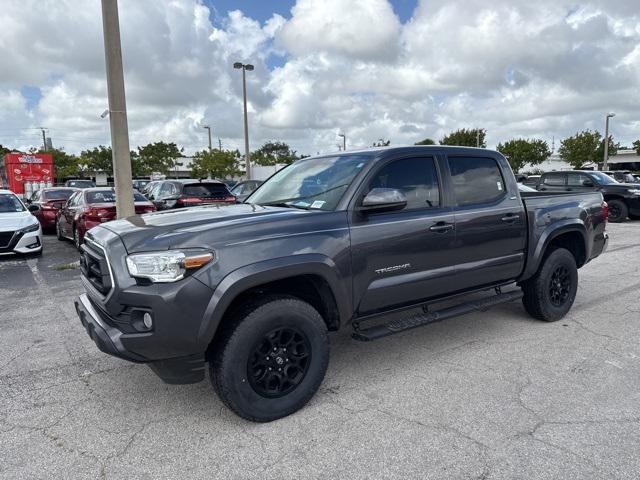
[{"x": 370, "y": 240}]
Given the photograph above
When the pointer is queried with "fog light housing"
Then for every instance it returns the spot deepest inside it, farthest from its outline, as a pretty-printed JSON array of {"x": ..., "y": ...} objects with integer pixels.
[{"x": 147, "y": 320}]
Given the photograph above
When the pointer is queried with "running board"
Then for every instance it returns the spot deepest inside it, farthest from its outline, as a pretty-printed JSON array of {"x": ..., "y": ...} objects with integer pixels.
[{"x": 421, "y": 319}]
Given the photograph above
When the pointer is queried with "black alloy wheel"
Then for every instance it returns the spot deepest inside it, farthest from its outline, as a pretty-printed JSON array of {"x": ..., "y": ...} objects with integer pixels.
[
  {"x": 559, "y": 286},
  {"x": 279, "y": 362}
]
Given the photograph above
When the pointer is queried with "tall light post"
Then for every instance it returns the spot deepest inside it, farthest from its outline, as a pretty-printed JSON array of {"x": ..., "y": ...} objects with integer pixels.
[
  {"x": 344, "y": 141},
  {"x": 606, "y": 139},
  {"x": 209, "y": 129},
  {"x": 245, "y": 67}
]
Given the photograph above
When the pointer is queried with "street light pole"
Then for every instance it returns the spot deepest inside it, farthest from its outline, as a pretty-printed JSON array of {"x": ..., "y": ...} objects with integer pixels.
[
  {"x": 344, "y": 141},
  {"x": 117, "y": 110},
  {"x": 245, "y": 67},
  {"x": 606, "y": 140},
  {"x": 209, "y": 129}
]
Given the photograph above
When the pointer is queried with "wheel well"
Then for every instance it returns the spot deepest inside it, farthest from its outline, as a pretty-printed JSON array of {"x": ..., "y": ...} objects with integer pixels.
[
  {"x": 572, "y": 241},
  {"x": 608, "y": 198},
  {"x": 312, "y": 289}
]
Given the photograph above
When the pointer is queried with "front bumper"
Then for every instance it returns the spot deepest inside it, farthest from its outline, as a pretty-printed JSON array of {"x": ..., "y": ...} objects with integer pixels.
[
  {"x": 108, "y": 339},
  {"x": 30, "y": 242}
]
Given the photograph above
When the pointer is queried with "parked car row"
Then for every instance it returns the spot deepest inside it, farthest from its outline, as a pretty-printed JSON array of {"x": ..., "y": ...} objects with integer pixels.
[{"x": 623, "y": 198}]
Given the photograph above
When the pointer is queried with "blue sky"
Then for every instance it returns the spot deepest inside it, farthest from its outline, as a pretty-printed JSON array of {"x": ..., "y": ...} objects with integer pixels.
[{"x": 262, "y": 10}]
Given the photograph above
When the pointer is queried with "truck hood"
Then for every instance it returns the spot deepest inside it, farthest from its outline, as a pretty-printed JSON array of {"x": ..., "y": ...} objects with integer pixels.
[
  {"x": 193, "y": 227},
  {"x": 11, "y": 221}
]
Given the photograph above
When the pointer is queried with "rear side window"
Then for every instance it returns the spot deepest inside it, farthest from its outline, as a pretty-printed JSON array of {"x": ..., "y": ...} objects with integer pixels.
[
  {"x": 109, "y": 196},
  {"x": 476, "y": 180},
  {"x": 577, "y": 179},
  {"x": 553, "y": 179},
  {"x": 205, "y": 190},
  {"x": 415, "y": 177}
]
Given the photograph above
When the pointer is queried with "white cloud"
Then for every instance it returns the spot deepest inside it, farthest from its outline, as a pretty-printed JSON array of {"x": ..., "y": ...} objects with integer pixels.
[{"x": 513, "y": 67}]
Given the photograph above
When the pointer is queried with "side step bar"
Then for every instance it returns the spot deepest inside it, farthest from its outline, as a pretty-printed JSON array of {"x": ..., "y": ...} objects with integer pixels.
[{"x": 421, "y": 319}]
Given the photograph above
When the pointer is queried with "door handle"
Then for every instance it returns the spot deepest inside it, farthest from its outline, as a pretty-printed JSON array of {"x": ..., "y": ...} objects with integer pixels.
[
  {"x": 441, "y": 227},
  {"x": 510, "y": 218}
]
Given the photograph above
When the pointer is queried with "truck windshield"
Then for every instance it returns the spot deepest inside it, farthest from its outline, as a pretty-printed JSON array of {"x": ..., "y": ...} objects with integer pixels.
[
  {"x": 602, "y": 178},
  {"x": 10, "y": 203},
  {"x": 316, "y": 183}
]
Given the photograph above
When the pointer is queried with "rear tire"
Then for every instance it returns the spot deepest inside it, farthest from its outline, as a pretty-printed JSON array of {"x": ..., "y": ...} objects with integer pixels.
[
  {"x": 550, "y": 293},
  {"x": 618, "y": 211},
  {"x": 270, "y": 358}
]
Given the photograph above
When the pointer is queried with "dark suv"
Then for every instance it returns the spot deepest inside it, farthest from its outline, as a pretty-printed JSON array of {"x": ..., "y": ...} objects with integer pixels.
[
  {"x": 623, "y": 198},
  {"x": 169, "y": 194}
]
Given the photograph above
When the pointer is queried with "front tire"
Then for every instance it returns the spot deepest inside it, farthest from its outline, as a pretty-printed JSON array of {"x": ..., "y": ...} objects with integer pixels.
[
  {"x": 550, "y": 293},
  {"x": 59, "y": 235},
  {"x": 618, "y": 211},
  {"x": 270, "y": 359},
  {"x": 77, "y": 241}
]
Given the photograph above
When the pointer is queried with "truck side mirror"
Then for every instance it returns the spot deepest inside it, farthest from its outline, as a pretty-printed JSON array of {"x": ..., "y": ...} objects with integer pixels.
[
  {"x": 33, "y": 208},
  {"x": 383, "y": 200}
]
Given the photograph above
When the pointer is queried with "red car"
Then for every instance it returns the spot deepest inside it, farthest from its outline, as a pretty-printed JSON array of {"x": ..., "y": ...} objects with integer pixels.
[
  {"x": 90, "y": 207},
  {"x": 45, "y": 203}
]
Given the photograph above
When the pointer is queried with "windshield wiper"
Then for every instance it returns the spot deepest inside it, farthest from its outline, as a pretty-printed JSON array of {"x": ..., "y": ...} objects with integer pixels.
[
  {"x": 285, "y": 201},
  {"x": 283, "y": 204}
]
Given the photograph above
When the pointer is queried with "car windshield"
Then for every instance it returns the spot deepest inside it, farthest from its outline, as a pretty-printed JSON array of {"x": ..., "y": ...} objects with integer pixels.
[
  {"x": 205, "y": 190},
  {"x": 316, "y": 183},
  {"x": 58, "y": 194},
  {"x": 109, "y": 196},
  {"x": 10, "y": 203},
  {"x": 603, "y": 178}
]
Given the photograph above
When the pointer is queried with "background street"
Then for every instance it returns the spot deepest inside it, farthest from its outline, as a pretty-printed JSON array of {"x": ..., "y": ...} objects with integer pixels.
[{"x": 489, "y": 395}]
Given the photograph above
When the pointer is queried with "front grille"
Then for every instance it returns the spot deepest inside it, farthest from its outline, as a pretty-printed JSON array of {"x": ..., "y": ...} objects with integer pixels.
[
  {"x": 5, "y": 239},
  {"x": 95, "y": 268}
]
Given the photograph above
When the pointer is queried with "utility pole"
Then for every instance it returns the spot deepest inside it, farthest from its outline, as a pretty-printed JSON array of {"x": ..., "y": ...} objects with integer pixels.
[
  {"x": 117, "y": 110},
  {"x": 44, "y": 140},
  {"x": 209, "y": 129},
  {"x": 344, "y": 141},
  {"x": 606, "y": 140},
  {"x": 219, "y": 144},
  {"x": 477, "y": 138},
  {"x": 245, "y": 67}
]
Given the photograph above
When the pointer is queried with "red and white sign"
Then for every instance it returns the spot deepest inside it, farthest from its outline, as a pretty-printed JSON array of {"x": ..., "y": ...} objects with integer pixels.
[{"x": 18, "y": 168}]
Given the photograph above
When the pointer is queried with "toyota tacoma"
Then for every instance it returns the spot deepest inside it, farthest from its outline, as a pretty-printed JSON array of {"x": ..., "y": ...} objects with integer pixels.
[{"x": 369, "y": 240}]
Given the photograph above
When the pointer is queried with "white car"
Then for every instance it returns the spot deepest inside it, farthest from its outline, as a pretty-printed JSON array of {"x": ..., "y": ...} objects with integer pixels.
[{"x": 20, "y": 231}]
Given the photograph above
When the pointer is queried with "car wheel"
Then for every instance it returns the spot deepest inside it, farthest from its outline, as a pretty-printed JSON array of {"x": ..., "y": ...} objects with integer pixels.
[
  {"x": 59, "y": 230},
  {"x": 77, "y": 241},
  {"x": 618, "y": 211},
  {"x": 550, "y": 293},
  {"x": 270, "y": 358}
]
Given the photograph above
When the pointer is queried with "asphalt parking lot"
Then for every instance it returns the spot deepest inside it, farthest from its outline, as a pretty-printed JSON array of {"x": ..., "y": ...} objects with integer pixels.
[{"x": 491, "y": 395}]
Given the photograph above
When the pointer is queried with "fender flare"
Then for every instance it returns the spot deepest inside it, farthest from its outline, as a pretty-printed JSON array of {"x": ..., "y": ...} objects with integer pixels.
[
  {"x": 260, "y": 273},
  {"x": 553, "y": 231}
]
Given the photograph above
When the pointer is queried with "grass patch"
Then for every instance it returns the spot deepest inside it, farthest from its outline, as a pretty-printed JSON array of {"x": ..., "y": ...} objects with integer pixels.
[{"x": 66, "y": 266}]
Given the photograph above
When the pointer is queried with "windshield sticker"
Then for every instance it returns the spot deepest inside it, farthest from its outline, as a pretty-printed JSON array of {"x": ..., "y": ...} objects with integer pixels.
[
  {"x": 318, "y": 204},
  {"x": 499, "y": 185}
]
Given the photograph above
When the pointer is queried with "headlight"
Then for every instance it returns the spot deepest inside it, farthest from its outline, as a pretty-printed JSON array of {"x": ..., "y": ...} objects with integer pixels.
[
  {"x": 634, "y": 191},
  {"x": 165, "y": 267},
  {"x": 31, "y": 228}
]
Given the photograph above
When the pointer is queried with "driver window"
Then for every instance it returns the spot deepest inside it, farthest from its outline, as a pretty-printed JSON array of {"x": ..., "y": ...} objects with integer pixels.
[{"x": 416, "y": 178}]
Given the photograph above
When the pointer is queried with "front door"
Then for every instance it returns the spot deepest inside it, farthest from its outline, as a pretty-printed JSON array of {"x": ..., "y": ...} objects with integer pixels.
[
  {"x": 490, "y": 222},
  {"x": 403, "y": 257}
]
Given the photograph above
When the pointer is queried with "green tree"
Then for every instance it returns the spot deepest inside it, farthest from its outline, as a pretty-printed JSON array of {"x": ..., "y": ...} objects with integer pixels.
[
  {"x": 217, "y": 163},
  {"x": 66, "y": 164},
  {"x": 97, "y": 159},
  {"x": 636, "y": 145},
  {"x": 520, "y": 152},
  {"x": 272, "y": 153},
  {"x": 585, "y": 147},
  {"x": 158, "y": 157},
  {"x": 4, "y": 150},
  {"x": 466, "y": 138},
  {"x": 426, "y": 141}
]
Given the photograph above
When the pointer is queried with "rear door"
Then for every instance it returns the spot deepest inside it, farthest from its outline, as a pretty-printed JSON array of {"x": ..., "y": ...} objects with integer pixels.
[
  {"x": 403, "y": 256},
  {"x": 489, "y": 219},
  {"x": 553, "y": 182}
]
